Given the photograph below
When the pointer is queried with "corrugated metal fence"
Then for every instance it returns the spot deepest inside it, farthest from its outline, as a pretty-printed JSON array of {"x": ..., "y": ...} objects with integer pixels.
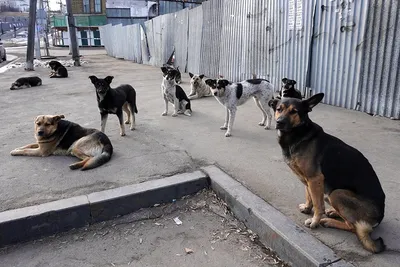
[{"x": 344, "y": 48}]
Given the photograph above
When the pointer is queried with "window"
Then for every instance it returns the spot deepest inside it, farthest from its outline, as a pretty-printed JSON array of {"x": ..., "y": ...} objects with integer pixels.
[
  {"x": 97, "y": 6},
  {"x": 86, "y": 6}
]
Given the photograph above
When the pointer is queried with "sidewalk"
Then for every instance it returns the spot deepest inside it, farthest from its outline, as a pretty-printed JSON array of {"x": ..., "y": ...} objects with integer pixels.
[{"x": 165, "y": 145}]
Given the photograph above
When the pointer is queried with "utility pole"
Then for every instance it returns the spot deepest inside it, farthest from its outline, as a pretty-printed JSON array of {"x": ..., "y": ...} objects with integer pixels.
[
  {"x": 72, "y": 34},
  {"x": 31, "y": 35}
]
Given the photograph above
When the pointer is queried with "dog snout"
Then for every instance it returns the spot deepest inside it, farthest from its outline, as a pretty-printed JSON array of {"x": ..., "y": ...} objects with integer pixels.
[
  {"x": 40, "y": 133},
  {"x": 281, "y": 123},
  {"x": 216, "y": 93}
]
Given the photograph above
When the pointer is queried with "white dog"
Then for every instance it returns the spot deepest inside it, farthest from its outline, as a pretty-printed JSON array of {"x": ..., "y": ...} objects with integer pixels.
[
  {"x": 232, "y": 95},
  {"x": 198, "y": 88}
]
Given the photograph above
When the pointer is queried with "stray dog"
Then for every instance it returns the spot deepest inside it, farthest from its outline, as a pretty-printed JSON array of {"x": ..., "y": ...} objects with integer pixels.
[
  {"x": 113, "y": 101},
  {"x": 198, "y": 88},
  {"x": 232, "y": 95},
  {"x": 174, "y": 94},
  {"x": 325, "y": 164},
  {"x": 58, "y": 70},
  {"x": 288, "y": 90},
  {"x": 26, "y": 82},
  {"x": 178, "y": 75},
  {"x": 55, "y": 136}
]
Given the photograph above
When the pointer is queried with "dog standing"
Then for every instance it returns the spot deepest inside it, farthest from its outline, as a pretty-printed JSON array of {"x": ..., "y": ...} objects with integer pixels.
[
  {"x": 113, "y": 101},
  {"x": 26, "y": 82},
  {"x": 232, "y": 95},
  {"x": 288, "y": 90},
  {"x": 327, "y": 165},
  {"x": 55, "y": 136},
  {"x": 198, "y": 88},
  {"x": 174, "y": 93},
  {"x": 58, "y": 70}
]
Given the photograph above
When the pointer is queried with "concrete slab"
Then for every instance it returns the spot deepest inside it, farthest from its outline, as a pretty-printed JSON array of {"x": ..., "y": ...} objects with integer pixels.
[{"x": 164, "y": 145}]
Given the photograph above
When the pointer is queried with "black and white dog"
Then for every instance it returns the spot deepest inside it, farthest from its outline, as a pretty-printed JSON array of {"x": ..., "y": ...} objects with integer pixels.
[
  {"x": 113, "y": 101},
  {"x": 232, "y": 95},
  {"x": 174, "y": 94},
  {"x": 58, "y": 70},
  {"x": 288, "y": 90},
  {"x": 26, "y": 82},
  {"x": 198, "y": 87}
]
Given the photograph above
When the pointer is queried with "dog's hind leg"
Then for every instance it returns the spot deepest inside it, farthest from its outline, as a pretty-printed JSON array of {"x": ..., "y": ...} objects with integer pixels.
[
  {"x": 128, "y": 112},
  {"x": 121, "y": 122},
  {"x": 165, "y": 113},
  {"x": 79, "y": 164},
  {"x": 232, "y": 115},
  {"x": 176, "y": 107},
  {"x": 225, "y": 126},
  {"x": 257, "y": 101},
  {"x": 133, "y": 119}
]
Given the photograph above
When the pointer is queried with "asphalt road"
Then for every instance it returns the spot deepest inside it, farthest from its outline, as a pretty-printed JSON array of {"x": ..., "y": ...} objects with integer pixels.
[{"x": 165, "y": 145}]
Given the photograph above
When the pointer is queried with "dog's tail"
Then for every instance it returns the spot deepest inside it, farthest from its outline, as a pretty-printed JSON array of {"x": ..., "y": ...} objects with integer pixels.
[
  {"x": 363, "y": 232},
  {"x": 102, "y": 158},
  {"x": 134, "y": 104}
]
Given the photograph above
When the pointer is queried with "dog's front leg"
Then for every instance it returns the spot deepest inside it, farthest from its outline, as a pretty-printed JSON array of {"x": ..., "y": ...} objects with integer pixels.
[
  {"x": 232, "y": 114},
  {"x": 225, "y": 126},
  {"x": 316, "y": 190},
  {"x": 104, "y": 116},
  {"x": 33, "y": 152},
  {"x": 176, "y": 107},
  {"x": 121, "y": 122},
  {"x": 306, "y": 207},
  {"x": 165, "y": 113}
]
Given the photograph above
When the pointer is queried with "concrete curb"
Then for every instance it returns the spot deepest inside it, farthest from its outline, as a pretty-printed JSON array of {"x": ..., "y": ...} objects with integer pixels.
[
  {"x": 49, "y": 218},
  {"x": 292, "y": 243}
]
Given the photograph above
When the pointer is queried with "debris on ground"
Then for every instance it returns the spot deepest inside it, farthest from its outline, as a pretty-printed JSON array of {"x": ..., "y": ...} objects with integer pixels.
[
  {"x": 43, "y": 63},
  {"x": 189, "y": 250},
  {"x": 177, "y": 221}
]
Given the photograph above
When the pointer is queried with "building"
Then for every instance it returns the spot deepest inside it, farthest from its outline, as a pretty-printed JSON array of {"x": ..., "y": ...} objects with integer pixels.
[
  {"x": 88, "y": 16},
  {"x": 16, "y": 5}
]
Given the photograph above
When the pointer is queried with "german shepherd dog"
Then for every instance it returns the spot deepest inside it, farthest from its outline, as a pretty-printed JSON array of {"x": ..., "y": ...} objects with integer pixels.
[
  {"x": 55, "y": 136},
  {"x": 26, "y": 82},
  {"x": 288, "y": 90},
  {"x": 57, "y": 70},
  {"x": 113, "y": 101},
  {"x": 327, "y": 165},
  {"x": 174, "y": 93}
]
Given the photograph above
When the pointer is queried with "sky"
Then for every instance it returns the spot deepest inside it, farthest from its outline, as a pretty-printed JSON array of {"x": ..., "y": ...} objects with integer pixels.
[{"x": 53, "y": 4}]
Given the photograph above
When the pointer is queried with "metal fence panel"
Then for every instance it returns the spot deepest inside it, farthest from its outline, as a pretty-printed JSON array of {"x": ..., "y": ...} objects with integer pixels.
[
  {"x": 380, "y": 75},
  {"x": 211, "y": 38},
  {"x": 194, "y": 39},
  {"x": 181, "y": 30}
]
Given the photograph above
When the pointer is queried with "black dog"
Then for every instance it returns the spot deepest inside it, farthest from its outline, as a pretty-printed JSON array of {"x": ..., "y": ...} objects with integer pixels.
[
  {"x": 58, "y": 70},
  {"x": 113, "y": 101},
  {"x": 328, "y": 166},
  {"x": 26, "y": 82},
  {"x": 288, "y": 90}
]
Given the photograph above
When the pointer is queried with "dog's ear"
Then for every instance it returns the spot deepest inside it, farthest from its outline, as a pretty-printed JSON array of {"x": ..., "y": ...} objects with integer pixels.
[
  {"x": 273, "y": 103},
  {"x": 109, "y": 79},
  {"x": 292, "y": 82},
  {"x": 93, "y": 79},
  {"x": 284, "y": 80},
  {"x": 201, "y": 76},
  {"x": 57, "y": 118},
  {"x": 313, "y": 101},
  {"x": 224, "y": 82},
  {"x": 164, "y": 70},
  {"x": 191, "y": 75},
  {"x": 211, "y": 82}
]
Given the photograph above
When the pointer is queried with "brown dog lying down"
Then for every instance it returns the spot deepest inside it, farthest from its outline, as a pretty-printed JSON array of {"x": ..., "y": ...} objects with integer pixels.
[{"x": 55, "y": 136}]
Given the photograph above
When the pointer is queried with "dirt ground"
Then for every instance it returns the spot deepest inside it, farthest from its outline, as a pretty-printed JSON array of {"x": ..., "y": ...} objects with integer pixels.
[{"x": 208, "y": 236}]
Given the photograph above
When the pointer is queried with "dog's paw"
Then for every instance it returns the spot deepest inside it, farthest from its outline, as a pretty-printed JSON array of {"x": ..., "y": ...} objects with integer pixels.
[
  {"x": 267, "y": 127},
  {"x": 305, "y": 208},
  {"x": 174, "y": 115},
  {"x": 228, "y": 134},
  {"x": 132, "y": 128},
  {"x": 127, "y": 122},
  {"x": 331, "y": 213},
  {"x": 310, "y": 223},
  {"x": 122, "y": 134},
  {"x": 261, "y": 123},
  {"x": 180, "y": 111},
  {"x": 14, "y": 152},
  {"x": 325, "y": 222},
  {"x": 223, "y": 127},
  {"x": 164, "y": 113}
]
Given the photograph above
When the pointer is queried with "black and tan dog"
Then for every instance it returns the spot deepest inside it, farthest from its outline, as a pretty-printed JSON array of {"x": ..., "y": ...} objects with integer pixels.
[
  {"x": 55, "y": 136},
  {"x": 57, "y": 70},
  {"x": 26, "y": 82},
  {"x": 113, "y": 101},
  {"x": 327, "y": 165},
  {"x": 288, "y": 90}
]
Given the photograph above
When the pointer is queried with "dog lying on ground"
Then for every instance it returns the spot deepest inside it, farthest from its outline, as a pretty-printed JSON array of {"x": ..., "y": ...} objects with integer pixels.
[
  {"x": 55, "y": 136},
  {"x": 174, "y": 93},
  {"x": 198, "y": 88},
  {"x": 113, "y": 101},
  {"x": 325, "y": 164},
  {"x": 26, "y": 82},
  {"x": 232, "y": 95},
  {"x": 288, "y": 90},
  {"x": 58, "y": 70}
]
